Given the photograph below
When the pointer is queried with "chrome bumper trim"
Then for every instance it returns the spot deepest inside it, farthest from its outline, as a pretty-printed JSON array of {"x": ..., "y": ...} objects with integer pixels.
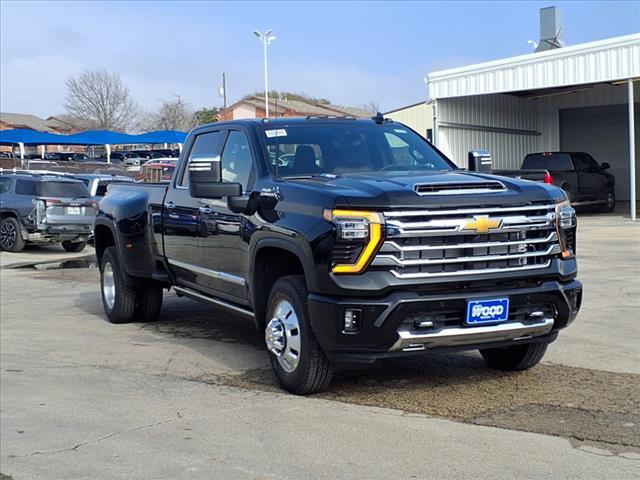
[{"x": 452, "y": 337}]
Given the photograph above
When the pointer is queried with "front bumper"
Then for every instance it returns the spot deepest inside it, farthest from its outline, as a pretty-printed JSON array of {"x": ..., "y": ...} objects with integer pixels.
[{"x": 389, "y": 324}]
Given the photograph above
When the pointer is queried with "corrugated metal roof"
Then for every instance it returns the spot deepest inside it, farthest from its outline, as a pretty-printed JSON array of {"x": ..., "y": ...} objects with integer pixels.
[{"x": 595, "y": 62}]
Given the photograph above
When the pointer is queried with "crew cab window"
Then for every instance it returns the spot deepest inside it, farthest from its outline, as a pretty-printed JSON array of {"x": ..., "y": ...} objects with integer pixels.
[
  {"x": 5, "y": 185},
  {"x": 236, "y": 159},
  {"x": 27, "y": 187},
  {"x": 205, "y": 145},
  {"x": 584, "y": 162},
  {"x": 547, "y": 161}
]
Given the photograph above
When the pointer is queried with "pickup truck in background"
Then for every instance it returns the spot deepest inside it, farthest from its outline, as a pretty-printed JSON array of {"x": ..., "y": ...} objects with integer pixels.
[
  {"x": 586, "y": 182},
  {"x": 344, "y": 241}
]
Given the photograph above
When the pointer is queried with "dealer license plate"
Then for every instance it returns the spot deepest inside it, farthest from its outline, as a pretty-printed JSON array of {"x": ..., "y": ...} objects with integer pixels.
[
  {"x": 73, "y": 210},
  {"x": 491, "y": 310}
]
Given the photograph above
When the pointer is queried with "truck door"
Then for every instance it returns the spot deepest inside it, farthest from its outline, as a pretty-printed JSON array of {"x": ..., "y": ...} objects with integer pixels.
[
  {"x": 182, "y": 222},
  {"x": 591, "y": 179},
  {"x": 224, "y": 250}
]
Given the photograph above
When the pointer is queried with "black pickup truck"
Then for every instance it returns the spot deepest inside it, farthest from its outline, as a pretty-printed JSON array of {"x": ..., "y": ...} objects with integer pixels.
[
  {"x": 586, "y": 182},
  {"x": 345, "y": 241}
]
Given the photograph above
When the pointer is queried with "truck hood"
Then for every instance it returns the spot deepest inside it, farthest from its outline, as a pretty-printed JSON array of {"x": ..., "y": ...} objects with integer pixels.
[{"x": 454, "y": 188}]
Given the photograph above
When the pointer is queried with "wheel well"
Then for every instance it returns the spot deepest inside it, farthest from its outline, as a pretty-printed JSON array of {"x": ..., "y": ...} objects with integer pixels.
[
  {"x": 4, "y": 215},
  {"x": 102, "y": 238},
  {"x": 271, "y": 263}
]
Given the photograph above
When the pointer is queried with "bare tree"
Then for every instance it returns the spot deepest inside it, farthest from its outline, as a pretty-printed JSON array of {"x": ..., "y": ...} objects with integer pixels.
[
  {"x": 101, "y": 99},
  {"x": 372, "y": 106},
  {"x": 173, "y": 115}
]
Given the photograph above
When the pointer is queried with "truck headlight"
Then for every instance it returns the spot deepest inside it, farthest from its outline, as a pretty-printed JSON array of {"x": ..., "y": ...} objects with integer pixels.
[
  {"x": 566, "y": 225},
  {"x": 360, "y": 233}
]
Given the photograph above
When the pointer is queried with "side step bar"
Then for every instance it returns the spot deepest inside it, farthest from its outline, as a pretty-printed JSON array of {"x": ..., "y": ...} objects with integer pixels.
[{"x": 214, "y": 301}]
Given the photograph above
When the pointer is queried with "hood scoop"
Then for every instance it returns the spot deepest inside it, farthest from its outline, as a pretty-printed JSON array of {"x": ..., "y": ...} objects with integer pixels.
[{"x": 463, "y": 188}]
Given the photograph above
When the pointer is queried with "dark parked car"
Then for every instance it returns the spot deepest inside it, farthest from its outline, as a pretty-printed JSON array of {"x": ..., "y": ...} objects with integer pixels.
[
  {"x": 68, "y": 157},
  {"x": 586, "y": 181},
  {"x": 148, "y": 154},
  {"x": 44, "y": 209},
  {"x": 369, "y": 244}
]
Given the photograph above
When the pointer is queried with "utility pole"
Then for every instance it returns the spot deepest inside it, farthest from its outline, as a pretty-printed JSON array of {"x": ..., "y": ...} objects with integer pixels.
[{"x": 223, "y": 94}]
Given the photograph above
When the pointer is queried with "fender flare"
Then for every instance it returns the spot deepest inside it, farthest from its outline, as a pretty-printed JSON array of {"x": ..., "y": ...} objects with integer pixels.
[{"x": 285, "y": 244}]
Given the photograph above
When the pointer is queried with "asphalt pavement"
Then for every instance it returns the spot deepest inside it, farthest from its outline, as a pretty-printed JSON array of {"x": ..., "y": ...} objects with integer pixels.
[{"x": 192, "y": 395}]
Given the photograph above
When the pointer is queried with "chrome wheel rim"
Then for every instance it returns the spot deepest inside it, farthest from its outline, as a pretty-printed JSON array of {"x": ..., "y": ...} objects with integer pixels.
[
  {"x": 282, "y": 336},
  {"x": 108, "y": 286},
  {"x": 8, "y": 235}
]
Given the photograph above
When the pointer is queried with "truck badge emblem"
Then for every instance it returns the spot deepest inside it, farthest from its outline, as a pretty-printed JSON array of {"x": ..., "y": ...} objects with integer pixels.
[{"x": 482, "y": 224}]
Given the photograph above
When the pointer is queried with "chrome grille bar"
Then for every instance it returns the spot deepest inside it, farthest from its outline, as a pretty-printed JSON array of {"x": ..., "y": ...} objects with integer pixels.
[
  {"x": 468, "y": 211},
  {"x": 393, "y": 246},
  {"x": 380, "y": 259},
  {"x": 479, "y": 271}
]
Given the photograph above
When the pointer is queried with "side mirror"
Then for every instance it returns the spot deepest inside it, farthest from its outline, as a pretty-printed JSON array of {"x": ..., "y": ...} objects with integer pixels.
[
  {"x": 605, "y": 166},
  {"x": 205, "y": 179}
]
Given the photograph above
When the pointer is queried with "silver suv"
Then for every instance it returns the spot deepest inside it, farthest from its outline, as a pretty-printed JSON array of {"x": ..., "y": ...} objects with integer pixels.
[{"x": 44, "y": 209}]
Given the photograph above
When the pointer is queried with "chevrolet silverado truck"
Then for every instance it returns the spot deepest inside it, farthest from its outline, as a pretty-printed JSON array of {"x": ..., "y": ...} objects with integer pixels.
[
  {"x": 585, "y": 181},
  {"x": 344, "y": 241}
]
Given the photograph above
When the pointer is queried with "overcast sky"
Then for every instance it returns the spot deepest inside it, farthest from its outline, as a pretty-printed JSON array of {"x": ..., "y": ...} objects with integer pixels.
[{"x": 352, "y": 53}]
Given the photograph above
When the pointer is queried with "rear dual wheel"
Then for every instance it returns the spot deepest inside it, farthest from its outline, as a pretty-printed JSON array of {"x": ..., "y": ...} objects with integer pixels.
[{"x": 122, "y": 302}]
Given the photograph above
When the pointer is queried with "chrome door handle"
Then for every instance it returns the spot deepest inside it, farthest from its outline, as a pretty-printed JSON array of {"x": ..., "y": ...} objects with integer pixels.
[
  {"x": 206, "y": 210},
  {"x": 169, "y": 205}
]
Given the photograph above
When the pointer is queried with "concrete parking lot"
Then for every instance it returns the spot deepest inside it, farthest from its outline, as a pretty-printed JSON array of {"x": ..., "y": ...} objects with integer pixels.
[{"x": 192, "y": 395}]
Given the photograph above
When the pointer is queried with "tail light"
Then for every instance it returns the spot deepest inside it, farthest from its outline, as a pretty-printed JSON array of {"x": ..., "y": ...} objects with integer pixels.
[
  {"x": 52, "y": 201},
  {"x": 548, "y": 178},
  {"x": 92, "y": 203}
]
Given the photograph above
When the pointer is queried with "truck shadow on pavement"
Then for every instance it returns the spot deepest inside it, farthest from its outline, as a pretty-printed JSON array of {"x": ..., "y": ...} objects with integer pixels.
[{"x": 587, "y": 406}]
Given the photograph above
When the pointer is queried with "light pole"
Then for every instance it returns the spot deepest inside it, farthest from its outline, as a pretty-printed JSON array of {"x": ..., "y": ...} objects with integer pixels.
[{"x": 265, "y": 38}]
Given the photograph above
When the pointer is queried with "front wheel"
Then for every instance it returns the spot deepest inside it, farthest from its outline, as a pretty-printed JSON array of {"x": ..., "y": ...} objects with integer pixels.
[
  {"x": 74, "y": 246},
  {"x": 296, "y": 357},
  {"x": 610, "y": 203},
  {"x": 516, "y": 357}
]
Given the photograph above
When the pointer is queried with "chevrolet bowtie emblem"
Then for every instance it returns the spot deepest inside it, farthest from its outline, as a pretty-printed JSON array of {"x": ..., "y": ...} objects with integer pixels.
[{"x": 482, "y": 224}]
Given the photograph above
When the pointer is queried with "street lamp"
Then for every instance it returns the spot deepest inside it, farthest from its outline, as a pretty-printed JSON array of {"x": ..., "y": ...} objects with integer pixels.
[{"x": 266, "y": 38}]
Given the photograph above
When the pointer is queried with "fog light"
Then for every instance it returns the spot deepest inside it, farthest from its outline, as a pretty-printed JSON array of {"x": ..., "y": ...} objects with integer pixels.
[{"x": 352, "y": 320}]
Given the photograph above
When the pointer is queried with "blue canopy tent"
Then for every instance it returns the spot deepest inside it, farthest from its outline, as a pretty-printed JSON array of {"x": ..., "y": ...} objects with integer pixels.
[
  {"x": 162, "y": 136},
  {"x": 23, "y": 136}
]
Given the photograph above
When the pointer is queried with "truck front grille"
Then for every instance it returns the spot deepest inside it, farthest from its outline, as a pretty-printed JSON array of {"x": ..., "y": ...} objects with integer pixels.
[{"x": 440, "y": 243}]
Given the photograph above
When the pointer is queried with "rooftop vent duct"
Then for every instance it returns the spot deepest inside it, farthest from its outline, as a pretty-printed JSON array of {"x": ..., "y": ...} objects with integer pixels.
[{"x": 550, "y": 29}]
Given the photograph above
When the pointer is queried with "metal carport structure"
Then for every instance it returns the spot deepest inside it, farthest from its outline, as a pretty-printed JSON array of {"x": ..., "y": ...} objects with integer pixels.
[
  {"x": 518, "y": 105},
  {"x": 22, "y": 137}
]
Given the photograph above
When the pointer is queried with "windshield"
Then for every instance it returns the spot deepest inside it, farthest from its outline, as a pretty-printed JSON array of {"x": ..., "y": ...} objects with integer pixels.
[
  {"x": 63, "y": 189},
  {"x": 343, "y": 148}
]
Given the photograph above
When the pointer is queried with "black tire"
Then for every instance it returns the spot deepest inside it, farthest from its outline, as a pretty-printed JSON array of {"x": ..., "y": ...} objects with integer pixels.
[
  {"x": 74, "y": 246},
  {"x": 610, "y": 203},
  {"x": 121, "y": 307},
  {"x": 313, "y": 371},
  {"x": 10, "y": 235},
  {"x": 141, "y": 303},
  {"x": 148, "y": 303},
  {"x": 517, "y": 357}
]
